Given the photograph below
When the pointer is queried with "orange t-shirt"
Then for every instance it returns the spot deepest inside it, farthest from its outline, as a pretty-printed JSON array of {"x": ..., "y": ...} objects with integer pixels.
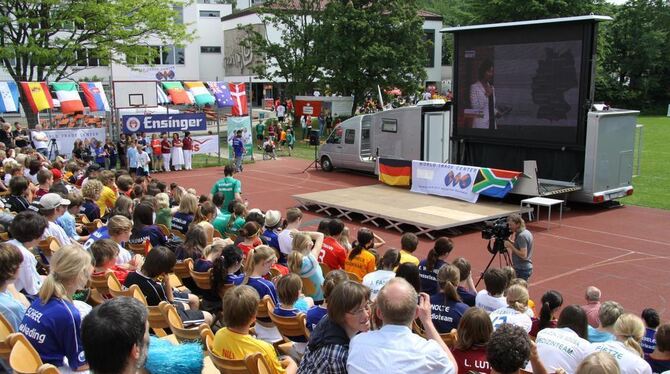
[{"x": 362, "y": 264}]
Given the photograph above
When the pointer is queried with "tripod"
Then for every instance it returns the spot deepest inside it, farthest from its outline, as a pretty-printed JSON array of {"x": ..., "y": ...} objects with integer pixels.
[
  {"x": 499, "y": 251},
  {"x": 315, "y": 162},
  {"x": 53, "y": 149}
]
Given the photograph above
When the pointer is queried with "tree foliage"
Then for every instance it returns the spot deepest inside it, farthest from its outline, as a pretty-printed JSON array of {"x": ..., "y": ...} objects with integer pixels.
[
  {"x": 44, "y": 39},
  {"x": 492, "y": 11},
  {"x": 363, "y": 44},
  {"x": 292, "y": 58}
]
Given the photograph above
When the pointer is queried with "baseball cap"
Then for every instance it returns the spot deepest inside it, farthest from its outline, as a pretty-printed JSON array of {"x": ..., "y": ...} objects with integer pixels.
[
  {"x": 272, "y": 218},
  {"x": 53, "y": 201}
]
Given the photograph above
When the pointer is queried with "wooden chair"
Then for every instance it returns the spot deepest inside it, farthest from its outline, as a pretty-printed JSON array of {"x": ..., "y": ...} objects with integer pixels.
[
  {"x": 289, "y": 327},
  {"x": 325, "y": 269},
  {"x": 91, "y": 227},
  {"x": 178, "y": 234},
  {"x": 224, "y": 289},
  {"x": 181, "y": 268},
  {"x": 163, "y": 229},
  {"x": 202, "y": 279},
  {"x": 48, "y": 246},
  {"x": 6, "y": 329},
  {"x": 308, "y": 287},
  {"x": 225, "y": 366},
  {"x": 24, "y": 359},
  {"x": 217, "y": 234},
  {"x": 138, "y": 249},
  {"x": 354, "y": 277},
  {"x": 99, "y": 288},
  {"x": 264, "y": 307},
  {"x": 4, "y": 236},
  {"x": 177, "y": 326},
  {"x": 449, "y": 338},
  {"x": 81, "y": 219},
  {"x": 256, "y": 364},
  {"x": 274, "y": 274}
]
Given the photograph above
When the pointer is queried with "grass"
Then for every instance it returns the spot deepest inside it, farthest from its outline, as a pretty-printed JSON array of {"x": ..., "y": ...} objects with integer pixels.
[{"x": 651, "y": 185}]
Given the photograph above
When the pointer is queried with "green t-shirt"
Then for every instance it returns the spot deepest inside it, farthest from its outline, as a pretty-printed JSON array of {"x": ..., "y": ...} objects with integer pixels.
[
  {"x": 290, "y": 138},
  {"x": 260, "y": 129},
  {"x": 229, "y": 186},
  {"x": 164, "y": 217},
  {"x": 221, "y": 224}
]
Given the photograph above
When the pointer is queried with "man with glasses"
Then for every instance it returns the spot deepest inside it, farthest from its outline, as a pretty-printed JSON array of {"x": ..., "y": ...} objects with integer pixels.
[{"x": 395, "y": 345}]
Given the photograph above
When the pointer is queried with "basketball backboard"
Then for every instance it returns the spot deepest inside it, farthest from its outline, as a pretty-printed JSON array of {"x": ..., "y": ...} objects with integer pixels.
[{"x": 134, "y": 94}]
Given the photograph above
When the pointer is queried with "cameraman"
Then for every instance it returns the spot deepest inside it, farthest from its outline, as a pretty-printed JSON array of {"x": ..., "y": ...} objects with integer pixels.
[{"x": 521, "y": 246}]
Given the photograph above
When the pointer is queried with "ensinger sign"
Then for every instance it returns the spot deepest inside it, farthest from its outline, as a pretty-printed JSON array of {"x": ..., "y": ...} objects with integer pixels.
[{"x": 164, "y": 122}]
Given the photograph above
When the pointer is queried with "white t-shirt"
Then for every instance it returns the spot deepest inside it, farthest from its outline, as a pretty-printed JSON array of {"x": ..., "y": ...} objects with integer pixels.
[
  {"x": 285, "y": 241},
  {"x": 629, "y": 361},
  {"x": 511, "y": 316},
  {"x": 40, "y": 143},
  {"x": 27, "y": 278},
  {"x": 281, "y": 110},
  {"x": 561, "y": 348},
  {"x": 57, "y": 232},
  {"x": 489, "y": 303},
  {"x": 376, "y": 280},
  {"x": 124, "y": 256}
]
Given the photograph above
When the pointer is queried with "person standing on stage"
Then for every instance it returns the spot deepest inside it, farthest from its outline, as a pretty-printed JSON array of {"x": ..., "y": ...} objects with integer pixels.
[
  {"x": 177, "y": 152},
  {"x": 165, "y": 151},
  {"x": 521, "y": 247},
  {"x": 188, "y": 150}
]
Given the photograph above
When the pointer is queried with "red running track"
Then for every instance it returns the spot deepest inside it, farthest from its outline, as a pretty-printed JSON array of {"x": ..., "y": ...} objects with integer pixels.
[{"x": 623, "y": 251}]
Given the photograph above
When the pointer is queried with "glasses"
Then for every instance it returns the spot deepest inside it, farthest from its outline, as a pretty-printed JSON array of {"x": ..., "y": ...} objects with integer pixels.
[{"x": 360, "y": 311}]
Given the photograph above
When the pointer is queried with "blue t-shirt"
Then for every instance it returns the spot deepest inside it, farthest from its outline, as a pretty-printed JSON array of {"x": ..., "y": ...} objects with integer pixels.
[
  {"x": 90, "y": 209},
  {"x": 238, "y": 146},
  {"x": 466, "y": 296},
  {"x": 272, "y": 239},
  {"x": 648, "y": 342},
  {"x": 180, "y": 221},
  {"x": 11, "y": 309},
  {"x": 446, "y": 314},
  {"x": 315, "y": 315},
  {"x": 54, "y": 329},
  {"x": 311, "y": 270},
  {"x": 69, "y": 225},
  {"x": 429, "y": 278},
  {"x": 132, "y": 157},
  {"x": 658, "y": 366},
  {"x": 151, "y": 233},
  {"x": 233, "y": 279},
  {"x": 597, "y": 336},
  {"x": 202, "y": 266},
  {"x": 263, "y": 287},
  {"x": 101, "y": 233}
]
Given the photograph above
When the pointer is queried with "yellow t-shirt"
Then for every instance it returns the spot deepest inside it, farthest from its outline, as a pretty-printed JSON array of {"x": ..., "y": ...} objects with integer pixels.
[
  {"x": 362, "y": 264},
  {"x": 107, "y": 200},
  {"x": 235, "y": 346},
  {"x": 408, "y": 257}
]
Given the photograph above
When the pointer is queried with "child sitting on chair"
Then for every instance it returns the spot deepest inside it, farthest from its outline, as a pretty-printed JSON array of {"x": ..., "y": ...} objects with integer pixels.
[{"x": 105, "y": 253}]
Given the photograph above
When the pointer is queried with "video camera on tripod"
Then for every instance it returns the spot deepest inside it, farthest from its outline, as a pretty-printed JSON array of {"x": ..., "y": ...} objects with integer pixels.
[{"x": 499, "y": 231}]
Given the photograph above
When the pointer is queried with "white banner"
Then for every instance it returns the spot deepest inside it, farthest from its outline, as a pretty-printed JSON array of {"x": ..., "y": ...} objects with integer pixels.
[
  {"x": 444, "y": 180},
  {"x": 65, "y": 138},
  {"x": 206, "y": 144}
]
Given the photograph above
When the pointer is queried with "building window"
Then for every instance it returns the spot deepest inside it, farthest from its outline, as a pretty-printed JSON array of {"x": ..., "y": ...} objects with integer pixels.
[
  {"x": 210, "y": 13},
  {"x": 164, "y": 55},
  {"x": 179, "y": 17},
  {"x": 429, "y": 36},
  {"x": 88, "y": 57},
  {"x": 210, "y": 49}
]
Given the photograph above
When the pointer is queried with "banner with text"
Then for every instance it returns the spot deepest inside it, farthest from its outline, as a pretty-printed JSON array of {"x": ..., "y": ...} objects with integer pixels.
[
  {"x": 206, "y": 144},
  {"x": 244, "y": 124},
  {"x": 65, "y": 138},
  {"x": 444, "y": 180},
  {"x": 164, "y": 122}
]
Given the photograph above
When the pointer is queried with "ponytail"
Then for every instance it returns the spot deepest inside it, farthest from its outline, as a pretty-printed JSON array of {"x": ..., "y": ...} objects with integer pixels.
[
  {"x": 52, "y": 288},
  {"x": 356, "y": 249},
  {"x": 517, "y": 298},
  {"x": 631, "y": 328},
  {"x": 431, "y": 260},
  {"x": 255, "y": 257},
  {"x": 218, "y": 274},
  {"x": 70, "y": 263},
  {"x": 443, "y": 246},
  {"x": 295, "y": 261},
  {"x": 447, "y": 278},
  {"x": 249, "y": 265},
  {"x": 633, "y": 344},
  {"x": 363, "y": 238},
  {"x": 551, "y": 300}
]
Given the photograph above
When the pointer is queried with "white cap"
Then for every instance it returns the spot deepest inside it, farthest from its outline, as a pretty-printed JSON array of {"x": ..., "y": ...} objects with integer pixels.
[{"x": 53, "y": 201}]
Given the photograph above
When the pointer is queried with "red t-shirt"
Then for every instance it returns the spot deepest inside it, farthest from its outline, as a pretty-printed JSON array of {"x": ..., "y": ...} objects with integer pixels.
[
  {"x": 165, "y": 146},
  {"x": 40, "y": 192},
  {"x": 156, "y": 146},
  {"x": 176, "y": 143},
  {"x": 188, "y": 143},
  {"x": 472, "y": 361},
  {"x": 333, "y": 253},
  {"x": 120, "y": 273}
]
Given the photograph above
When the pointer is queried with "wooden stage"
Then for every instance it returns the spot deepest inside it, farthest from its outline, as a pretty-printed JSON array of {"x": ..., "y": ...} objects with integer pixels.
[{"x": 390, "y": 207}]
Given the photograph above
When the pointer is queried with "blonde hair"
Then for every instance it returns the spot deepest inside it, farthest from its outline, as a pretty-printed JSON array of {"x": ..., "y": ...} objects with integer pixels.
[
  {"x": 516, "y": 218},
  {"x": 92, "y": 189},
  {"x": 598, "y": 363},
  {"x": 517, "y": 298},
  {"x": 300, "y": 246},
  {"x": 213, "y": 248},
  {"x": 630, "y": 329},
  {"x": 448, "y": 278},
  {"x": 343, "y": 239},
  {"x": 188, "y": 204},
  {"x": 256, "y": 256},
  {"x": 119, "y": 224},
  {"x": 70, "y": 263},
  {"x": 162, "y": 200}
]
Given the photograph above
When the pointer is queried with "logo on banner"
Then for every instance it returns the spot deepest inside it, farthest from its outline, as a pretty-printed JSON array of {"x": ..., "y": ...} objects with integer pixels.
[
  {"x": 133, "y": 124},
  {"x": 462, "y": 180}
]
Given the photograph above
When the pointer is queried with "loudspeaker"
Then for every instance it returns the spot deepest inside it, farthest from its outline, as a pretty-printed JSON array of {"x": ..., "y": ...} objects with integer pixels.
[{"x": 314, "y": 137}]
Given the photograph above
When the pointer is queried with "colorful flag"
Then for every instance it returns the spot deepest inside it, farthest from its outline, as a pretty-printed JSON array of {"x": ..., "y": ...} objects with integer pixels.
[
  {"x": 38, "y": 95},
  {"x": 95, "y": 96},
  {"x": 221, "y": 94},
  {"x": 10, "y": 97},
  {"x": 161, "y": 97},
  {"x": 239, "y": 94},
  {"x": 199, "y": 91},
  {"x": 67, "y": 94},
  {"x": 495, "y": 182},
  {"x": 177, "y": 93},
  {"x": 395, "y": 172}
]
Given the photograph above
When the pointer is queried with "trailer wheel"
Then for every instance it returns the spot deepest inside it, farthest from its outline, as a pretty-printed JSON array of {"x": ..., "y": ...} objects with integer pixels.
[{"x": 326, "y": 164}]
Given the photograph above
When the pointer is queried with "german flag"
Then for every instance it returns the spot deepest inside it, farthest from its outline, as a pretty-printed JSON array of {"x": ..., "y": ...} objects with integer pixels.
[{"x": 395, "y": 172}]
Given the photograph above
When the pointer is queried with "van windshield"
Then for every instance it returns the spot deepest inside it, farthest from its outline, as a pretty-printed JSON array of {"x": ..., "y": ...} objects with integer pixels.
[{"x": 335, "y": 136}]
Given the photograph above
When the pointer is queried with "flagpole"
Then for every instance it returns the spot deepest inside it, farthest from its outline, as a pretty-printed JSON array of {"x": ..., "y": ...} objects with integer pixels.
[{"x": 251, "y": 118}]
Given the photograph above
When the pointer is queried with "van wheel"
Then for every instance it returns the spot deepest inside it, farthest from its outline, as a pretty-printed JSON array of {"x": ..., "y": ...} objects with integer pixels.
[{"x": 326, "y": 165}]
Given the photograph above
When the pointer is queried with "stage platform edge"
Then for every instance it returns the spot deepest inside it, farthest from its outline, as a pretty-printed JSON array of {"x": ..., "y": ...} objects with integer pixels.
[{"x": 389, "y": 207}]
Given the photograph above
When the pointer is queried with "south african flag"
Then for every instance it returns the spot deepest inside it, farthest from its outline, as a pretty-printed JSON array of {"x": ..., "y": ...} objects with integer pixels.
[{"x": 495, "y": 182}]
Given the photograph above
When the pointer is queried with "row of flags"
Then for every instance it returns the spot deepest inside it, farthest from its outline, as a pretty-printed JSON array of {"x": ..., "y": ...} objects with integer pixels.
[{"x": 39, "y": 97}]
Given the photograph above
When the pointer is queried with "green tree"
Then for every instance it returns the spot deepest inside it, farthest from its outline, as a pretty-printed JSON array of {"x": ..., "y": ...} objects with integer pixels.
[
  {"x": 363, "y": 44},
  {"x": 292, "y": 58},
  {"x": 46, "y": 39},
  {"x": 493, "y": 11}
]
